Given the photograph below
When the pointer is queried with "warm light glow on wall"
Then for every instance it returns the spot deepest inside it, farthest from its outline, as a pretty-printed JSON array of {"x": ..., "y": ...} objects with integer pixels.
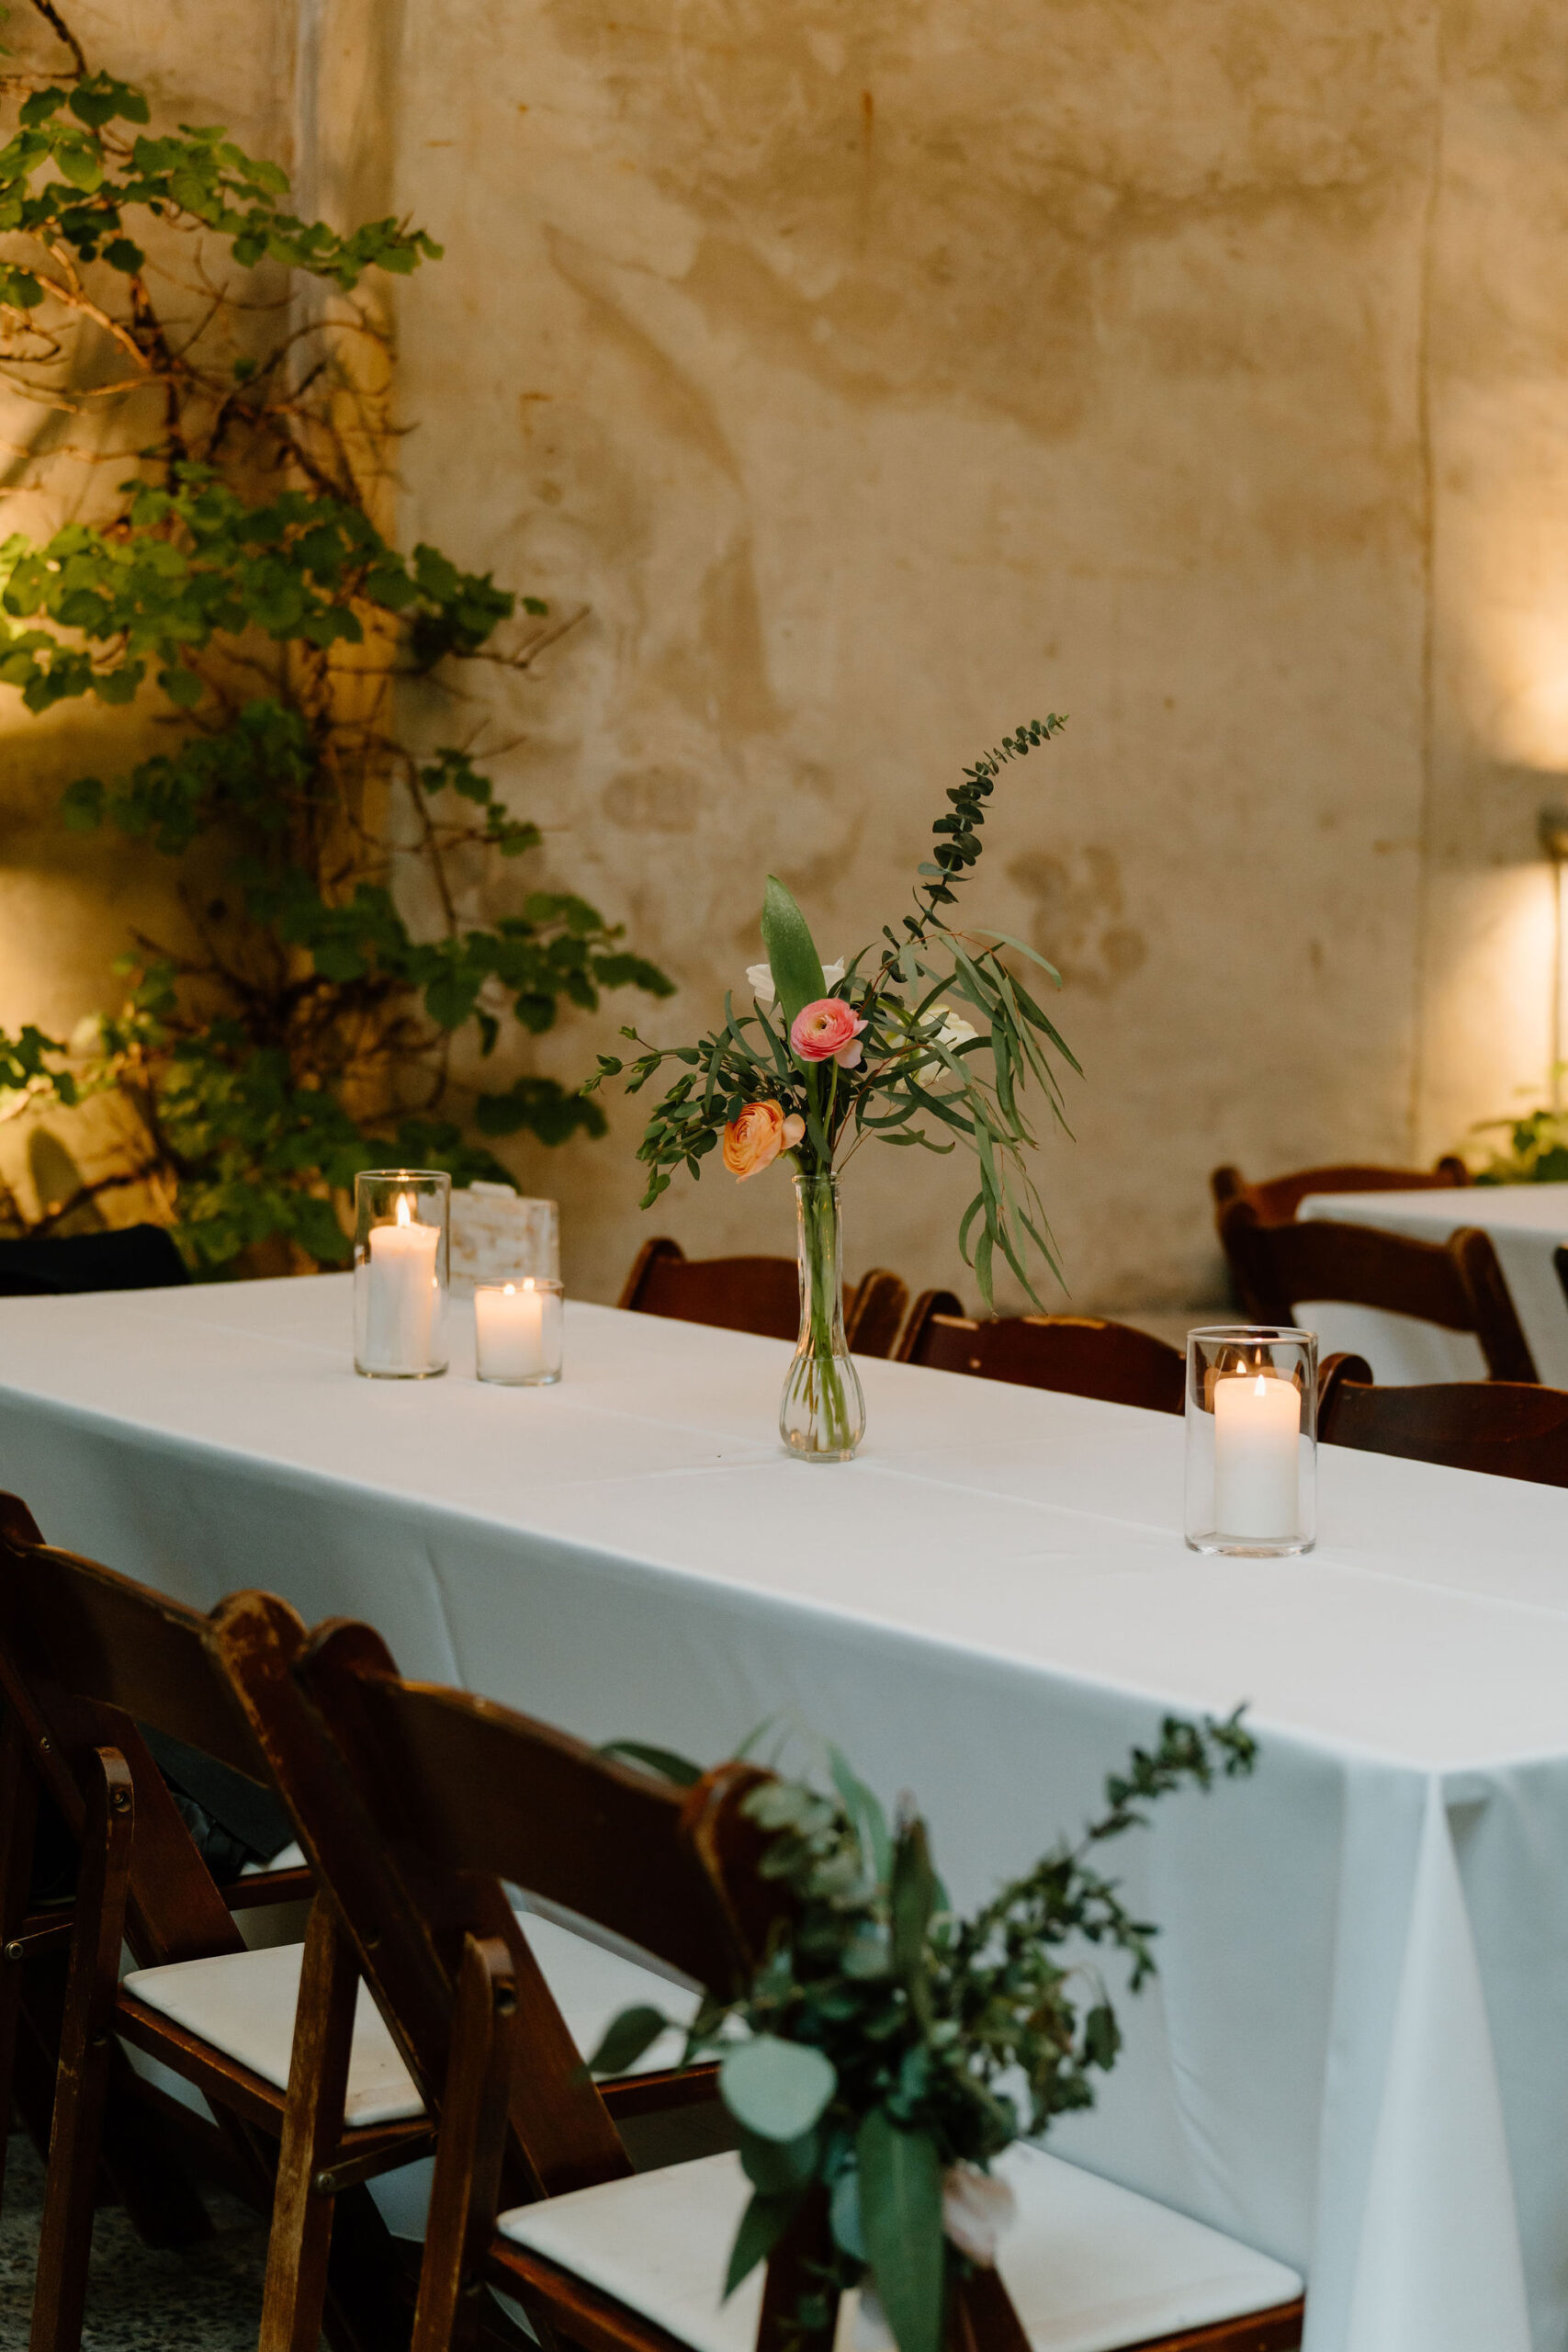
[
  {"x": 1491, "y": 1006},
  {"x": 1528, "y": 659}
]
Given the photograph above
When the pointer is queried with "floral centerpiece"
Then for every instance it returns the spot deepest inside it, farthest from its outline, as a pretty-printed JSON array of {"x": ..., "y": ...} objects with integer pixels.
[
  {"x": 887, "y": 2052},
  {"x": 927, "y": 1038}
]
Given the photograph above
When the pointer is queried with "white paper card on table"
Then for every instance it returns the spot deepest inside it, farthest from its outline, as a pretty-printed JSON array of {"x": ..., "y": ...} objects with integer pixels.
[{"x": 499, "y": 1237}]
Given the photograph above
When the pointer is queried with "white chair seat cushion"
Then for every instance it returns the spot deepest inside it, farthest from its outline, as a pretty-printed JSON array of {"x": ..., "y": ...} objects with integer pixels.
[
  {"x": 244, "y": 2004},
  {"x": 1090, "y": 2267}
]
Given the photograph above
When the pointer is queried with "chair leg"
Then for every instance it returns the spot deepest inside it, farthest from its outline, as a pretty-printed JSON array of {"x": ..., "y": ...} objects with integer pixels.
[
  {"x": 981, "y": 2317},
  {"x": 794, "y": 2277},
  {"x": 300, "y": 2243},
  {"x": 86, "y": 2045},
  {"x": 469, "y": 2148},
  {"x": 19, "y": 1811}
]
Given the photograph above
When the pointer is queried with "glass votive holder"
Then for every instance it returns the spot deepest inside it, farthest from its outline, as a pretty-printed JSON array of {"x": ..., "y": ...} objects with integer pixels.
[
  {"x": 519, "y": 1329},
  {"x": 401, "y": 1223},
  {"x": 1251, "y": 1440}
]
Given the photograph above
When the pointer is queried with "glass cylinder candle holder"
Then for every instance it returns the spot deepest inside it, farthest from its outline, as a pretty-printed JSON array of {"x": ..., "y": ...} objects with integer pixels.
[
  {"x": 1251, "y": 1440},
  {"x": 402, "y": 1219},
  {"x": 518, "y": 1332}
]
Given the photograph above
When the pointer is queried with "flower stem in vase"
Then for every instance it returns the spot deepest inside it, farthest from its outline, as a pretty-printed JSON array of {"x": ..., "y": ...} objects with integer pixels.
[{"x": 822, "y": 1414}]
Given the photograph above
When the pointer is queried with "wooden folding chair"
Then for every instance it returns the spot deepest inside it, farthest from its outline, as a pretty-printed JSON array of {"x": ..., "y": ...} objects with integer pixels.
[
  {"x": 760, "y": 1294},
  {"x": 1457, "y": 1283},
  {"x": 89, "y": 1663},
  {"x": 462, "y": 1794},
  {"x": 1082, "y": 1355},
  {"x": 1277, "y": 1198},
  {"x": 1507, "y": 1427}
]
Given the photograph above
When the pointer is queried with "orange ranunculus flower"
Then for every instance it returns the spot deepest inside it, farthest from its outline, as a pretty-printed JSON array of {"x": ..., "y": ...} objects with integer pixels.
[{"x": 755, "y": 1139}]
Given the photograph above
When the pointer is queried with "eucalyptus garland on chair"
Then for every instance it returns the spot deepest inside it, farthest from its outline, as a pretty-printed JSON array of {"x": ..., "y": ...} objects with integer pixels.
[
  {"x": 887, "y": 2050},
  {"x": 878, "y": 1050}
]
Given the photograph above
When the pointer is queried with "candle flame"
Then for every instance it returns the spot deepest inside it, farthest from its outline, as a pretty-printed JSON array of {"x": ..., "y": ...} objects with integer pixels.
[
  {"x": 527, "y": 1282},
  {"x": 405, "y": 1209},
  {"x": 1260, "y": 1390},
  {"x": 510, "y": 1290}
]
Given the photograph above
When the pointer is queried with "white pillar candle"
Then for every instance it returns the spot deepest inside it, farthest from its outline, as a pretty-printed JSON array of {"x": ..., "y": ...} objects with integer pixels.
[
  {"x": 516, "y": 1331},
  {"x": 401, "y": 1306},
  {"x": 1258, "y": 1421}
]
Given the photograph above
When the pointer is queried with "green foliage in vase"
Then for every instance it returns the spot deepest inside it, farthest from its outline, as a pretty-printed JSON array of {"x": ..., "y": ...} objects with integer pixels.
[
  {"x": 882, "y": 1054},
  {"x": 236, "y": 586},
  {"x": 889, "y": 2051}
]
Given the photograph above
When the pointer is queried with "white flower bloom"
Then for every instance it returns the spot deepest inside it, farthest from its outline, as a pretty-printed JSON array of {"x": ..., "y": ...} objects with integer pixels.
[
  {"x": 87, "y": 1038},
  {"x": 759, "y": 980},
  {"x": 976, "y": 2208},
  {"x": 954, "y": 1031}
]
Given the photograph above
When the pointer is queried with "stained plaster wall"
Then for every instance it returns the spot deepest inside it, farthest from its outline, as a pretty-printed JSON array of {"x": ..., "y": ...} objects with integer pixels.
[{"x": 874, "y": 377}]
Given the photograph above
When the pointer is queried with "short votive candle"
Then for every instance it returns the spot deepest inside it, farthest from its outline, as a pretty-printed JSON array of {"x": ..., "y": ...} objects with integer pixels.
[
  {"x": 1251, "y": 1440},
  {"x": 519, "y": 1333}
]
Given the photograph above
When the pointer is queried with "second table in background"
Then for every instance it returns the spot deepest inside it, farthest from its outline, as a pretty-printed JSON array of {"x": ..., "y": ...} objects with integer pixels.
[{"x": 1526, "y": 1222}]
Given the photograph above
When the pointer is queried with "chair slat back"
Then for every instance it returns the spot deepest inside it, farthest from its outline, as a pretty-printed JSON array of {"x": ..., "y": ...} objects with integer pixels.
[
  {"x": 873, "y": 1314},
  {"x": 87, "y": 1659},
  {"x": 119, "y": 1643},
  {"x": 1080, "y": 1354},
  {"x": 757, "y": 1294},
  {"x": 415, "y": 1803},
  {"x": 1277, "y": 1198},
  {"x": 1508, "y": 1429},
  {"x": 760, "y": 1294},
  {"x": 1457, "y": 1283},
  {"x": 458, "y": 1783}
]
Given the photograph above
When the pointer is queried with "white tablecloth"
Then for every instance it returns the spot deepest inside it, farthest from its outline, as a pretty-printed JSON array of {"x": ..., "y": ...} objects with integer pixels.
[
  {"x": 1526, "y": 1223},
  {"x": 1356, "y": 2055}
]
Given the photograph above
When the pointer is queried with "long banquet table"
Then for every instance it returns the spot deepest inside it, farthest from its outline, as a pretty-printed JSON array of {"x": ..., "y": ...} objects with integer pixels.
[{"x": 1356, "y": 2055}]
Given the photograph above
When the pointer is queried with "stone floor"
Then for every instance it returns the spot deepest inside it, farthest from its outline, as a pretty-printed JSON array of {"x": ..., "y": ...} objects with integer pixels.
[{"x": 204, "y": 2299}]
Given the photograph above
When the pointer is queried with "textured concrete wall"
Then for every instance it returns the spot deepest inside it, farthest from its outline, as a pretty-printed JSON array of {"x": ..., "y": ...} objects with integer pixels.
[
  {"x": 880, "y": 378},
  {"x": 877, "y": 378}
]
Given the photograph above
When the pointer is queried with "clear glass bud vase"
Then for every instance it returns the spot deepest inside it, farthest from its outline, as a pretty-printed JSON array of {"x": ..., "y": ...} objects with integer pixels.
[{"x": 822, "y": 1413}]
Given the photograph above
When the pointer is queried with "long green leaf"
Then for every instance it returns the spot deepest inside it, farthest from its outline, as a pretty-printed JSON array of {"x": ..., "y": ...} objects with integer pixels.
[
  {"x": 900, "y": 2214},
  {"x": 663, "y": 1760},
  {"x": 793, "y": 959},
  {"x": 625, "y": 2039},
  {"x": 762, "y": 2225}
]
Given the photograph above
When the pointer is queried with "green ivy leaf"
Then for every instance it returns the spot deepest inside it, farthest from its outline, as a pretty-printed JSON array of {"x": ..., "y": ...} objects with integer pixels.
[{"x": 183, "y": 687}]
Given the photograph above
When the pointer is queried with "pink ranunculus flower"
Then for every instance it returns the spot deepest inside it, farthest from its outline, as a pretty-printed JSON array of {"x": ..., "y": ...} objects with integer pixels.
[
  {"x": 755, "y": 1139},
  {"x": 827, "y": 1031}
]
